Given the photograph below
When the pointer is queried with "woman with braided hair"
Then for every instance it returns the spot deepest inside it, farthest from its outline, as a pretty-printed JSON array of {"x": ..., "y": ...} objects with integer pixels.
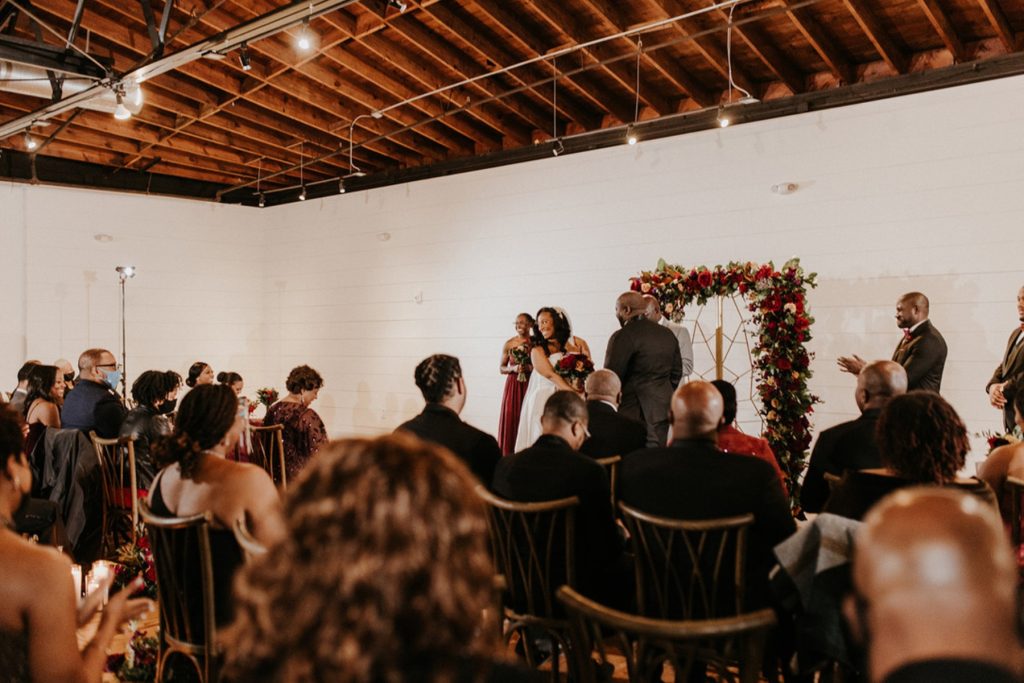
[
  {"x": 196, "y": 478},
  {"x": 384, "y": 575},
  {"x": 922, "y": 441}
]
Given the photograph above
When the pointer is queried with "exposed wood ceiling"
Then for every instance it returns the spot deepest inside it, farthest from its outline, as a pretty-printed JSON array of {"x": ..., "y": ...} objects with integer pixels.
[{"x": 290, "y": 116}]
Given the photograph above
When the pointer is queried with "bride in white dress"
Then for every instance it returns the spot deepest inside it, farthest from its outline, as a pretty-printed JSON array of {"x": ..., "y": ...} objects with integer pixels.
[{"x": 552, "y": 339}]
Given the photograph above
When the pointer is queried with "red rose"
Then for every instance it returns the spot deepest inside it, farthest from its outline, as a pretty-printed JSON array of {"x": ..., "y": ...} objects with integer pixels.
[
  {"x": 783, "y": 364},
  {"x": 704, "y": 278}
]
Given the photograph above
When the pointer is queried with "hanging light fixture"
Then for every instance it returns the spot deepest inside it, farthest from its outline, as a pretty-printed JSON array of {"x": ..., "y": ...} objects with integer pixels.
[
  {"x": 723, "y": 118},
  {"x": 30, "y": 142},
  {"x": 262, "y": 200},
  {"x": 631, "y": 137},
  {"x": 121, "y": 113},
  {"x": 305, "y": 38},
  {"x": 302, "y": 163},
  {"x": 341, "y": 186},
  {"x": 302, "y": 195},
  {"x": 353, "y": 170},
  {"x": 243, "y": 57}
]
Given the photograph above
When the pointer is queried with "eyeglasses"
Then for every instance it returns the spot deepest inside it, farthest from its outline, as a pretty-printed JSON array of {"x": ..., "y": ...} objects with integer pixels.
[{"x": 116, "y": 366}]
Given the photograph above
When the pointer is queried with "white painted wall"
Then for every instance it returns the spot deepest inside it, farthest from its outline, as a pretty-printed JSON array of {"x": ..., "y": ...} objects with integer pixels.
[
  {"x": 197, "y": 295},
  {"x": 923, "y": 192}
]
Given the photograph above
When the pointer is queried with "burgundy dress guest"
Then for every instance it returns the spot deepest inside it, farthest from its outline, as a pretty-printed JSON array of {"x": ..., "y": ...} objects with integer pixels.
[
  {"x": 303, "y": 433},
  {"x": 517, "y": 378}
]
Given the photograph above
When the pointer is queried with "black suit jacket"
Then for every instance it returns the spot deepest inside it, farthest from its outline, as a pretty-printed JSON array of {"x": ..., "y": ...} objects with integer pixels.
[
  {"x": 549, "y": 470},
  {"x": 847, "y": 446},
  {"x": 93, "y": 406},
  {"x": 1011, "y": 371},
  {"x": 645, "y": 356},
  {"x": 441, "y": 425},
  {"x": 923, "y": 356},
  {"x": 692, "y": 479},
  {"x": 611, "y": 433}
]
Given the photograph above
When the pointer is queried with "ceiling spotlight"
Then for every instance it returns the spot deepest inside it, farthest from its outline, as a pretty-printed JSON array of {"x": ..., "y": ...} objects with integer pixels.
[
  {"x": 302, "y": 195},
  {"x": 396, "y": 4},
  {"x": 30, "y": 142},
  {"x": 356, "y": 174},
  {"x": 121, "y": 113},
  {"x": 126, "y": 272},
  {"x": 305, "y": 36},
  {"x": 262, "y": 200},
  {"x": 631, "y": 135},
  {"x": 341, "y": 186},
  {"x": 558, "y": 147},
  {"x": 723, "y": 118},
  {"x": 243, "y": 57}
]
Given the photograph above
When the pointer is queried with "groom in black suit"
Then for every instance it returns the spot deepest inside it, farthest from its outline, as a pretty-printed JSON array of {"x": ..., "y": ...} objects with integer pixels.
[
  {"x": 1006, "y": 380},
  {"x": 921, "y": 352},
  {"x": 646, "y": 358}
]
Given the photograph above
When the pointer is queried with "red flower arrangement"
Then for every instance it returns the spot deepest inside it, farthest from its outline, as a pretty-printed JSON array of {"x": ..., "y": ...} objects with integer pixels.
[
  {"x": 574, "y": 368},
  {"x": 267, "y": 396},
  {"x": 777, "y": 298},
  {"x": 134, "y": 559}
]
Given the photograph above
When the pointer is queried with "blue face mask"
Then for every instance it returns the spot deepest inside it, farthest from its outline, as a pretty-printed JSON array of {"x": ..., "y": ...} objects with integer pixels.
[{"x": 112, "y": 377}]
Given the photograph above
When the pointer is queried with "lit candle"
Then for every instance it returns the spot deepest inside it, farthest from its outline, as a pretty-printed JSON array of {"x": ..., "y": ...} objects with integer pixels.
[{"x": 76, "y": 579}]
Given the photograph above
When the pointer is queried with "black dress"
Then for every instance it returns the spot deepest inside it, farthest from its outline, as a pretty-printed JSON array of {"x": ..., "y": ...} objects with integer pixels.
[{"x": 14, "y": 657}]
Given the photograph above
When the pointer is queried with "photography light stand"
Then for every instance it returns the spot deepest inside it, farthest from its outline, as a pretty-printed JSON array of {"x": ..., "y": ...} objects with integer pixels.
[{"x": 124, "y": 273}]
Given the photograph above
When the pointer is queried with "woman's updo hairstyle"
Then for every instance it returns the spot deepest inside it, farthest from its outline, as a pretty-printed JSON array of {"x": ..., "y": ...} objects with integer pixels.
[
  {"x": 228, "y": 377},
  {"x": 194, "y": 372},
  {"x": 436, "y": 375},
  {"x": 303, "y": 378},
  {"x": 206, "y": 414}
]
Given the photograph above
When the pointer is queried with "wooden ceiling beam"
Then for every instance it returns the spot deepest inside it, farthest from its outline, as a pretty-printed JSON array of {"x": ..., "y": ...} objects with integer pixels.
[
  {"x": 886, "y": 47},
  {"x": 997, "y": 17},
  {"x": 583, "y": 84},
  {"x": 820, "y": 41},
  {"x": 490, "y": 49},
  {"x": 944, "y": 27},
  {"x": 567, "y": 24}
]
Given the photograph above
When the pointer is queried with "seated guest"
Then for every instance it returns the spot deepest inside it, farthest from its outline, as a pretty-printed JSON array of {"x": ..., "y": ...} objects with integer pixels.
[
  {"x": 38, "y": 620},
  {"x": 148, "y": 419},
  {"x": 199, "y": 373},
  {"x": 67, "y": 372},
  {"x": 45, "y": 393},
  {"x": 20, "y": 392},
  {"x": 551, "y": 469},
  {"x": 935, "y": 591},
  {"x": 233, "y": 380},
  {"x": 732, "y": 440},
  {"x": 196, "y": 478},
  {"x": 922, "y": 441},
  {"x": 610, "y": 433},
  {"x": 304, "y": 431},
  {"x": 1005, "y": 461},
  {"x": 383, "y": 574},
  {"x": 93, "y": 405},
  {"x": 439, "y": 379},
  {"x": 692, "y": 479},
  {"x": 853, "y": 445}
]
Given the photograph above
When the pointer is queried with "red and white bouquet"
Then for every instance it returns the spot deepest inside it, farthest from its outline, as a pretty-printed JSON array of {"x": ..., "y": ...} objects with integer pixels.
[
  {"x": 574, "y": 368},
  {"x": 520, "y": 356}
]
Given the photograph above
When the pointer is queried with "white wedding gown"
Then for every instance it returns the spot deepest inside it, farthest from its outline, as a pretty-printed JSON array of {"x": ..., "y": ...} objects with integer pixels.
[{"x": 538, "y": 390}]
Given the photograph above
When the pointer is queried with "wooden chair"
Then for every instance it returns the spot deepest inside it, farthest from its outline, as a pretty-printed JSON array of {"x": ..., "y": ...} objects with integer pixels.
[
  {"x": 184, "y": 579},
  {"x": 832, "y": 480},
  {"x": 717, "y": 646},
  {"x": 534, "y": 549},
  {"x": 688, "y": 569},
  {"x": 120, "y": 520},
  {"x": 268, "y": 452},
  {"x": 611, "y": 463},
  {"x": 250, "y": 546}
]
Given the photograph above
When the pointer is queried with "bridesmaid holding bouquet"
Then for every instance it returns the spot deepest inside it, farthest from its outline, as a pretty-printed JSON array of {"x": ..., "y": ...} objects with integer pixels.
[{"x": 515, "y": 364}]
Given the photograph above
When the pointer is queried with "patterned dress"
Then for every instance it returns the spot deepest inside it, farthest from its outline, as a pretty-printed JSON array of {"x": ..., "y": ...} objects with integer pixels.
[{"x": 303, "y": 434}]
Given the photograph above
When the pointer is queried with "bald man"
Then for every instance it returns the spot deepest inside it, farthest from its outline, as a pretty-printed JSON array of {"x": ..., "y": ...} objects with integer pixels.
[
  {"x": 921, "y": 352},
  {"x": 935, "y": 591},
  {"x": 692, "y": 479},
  {"x": 852, "y": 445},
  {"x": 610, "y": 433},
  {"x": 645, "y": 357}
]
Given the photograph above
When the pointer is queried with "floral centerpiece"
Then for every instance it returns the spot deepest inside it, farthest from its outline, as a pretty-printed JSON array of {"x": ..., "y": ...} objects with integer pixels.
[
  {"x": 134, "y": 559},
  {"x": 574, "y": 368},
  {"x": 777, "y": 298},
  {"x": 267, "y": 396},
  {"x": 997, "y": 439},
  {"x": 520, "y": 356},
  {"x": 138, "y": 663}
]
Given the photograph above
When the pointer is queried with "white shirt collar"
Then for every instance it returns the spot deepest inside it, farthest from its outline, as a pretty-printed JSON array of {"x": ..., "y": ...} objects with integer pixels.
[
  {"x": 609, "y": 403},
  {"x": 914, "y": 327}
]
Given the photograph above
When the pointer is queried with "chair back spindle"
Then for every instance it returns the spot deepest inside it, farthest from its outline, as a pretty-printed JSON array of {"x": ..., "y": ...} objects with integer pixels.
[
  {"x": 268, "y": 452},
  {"x": 120, "y": 507}
]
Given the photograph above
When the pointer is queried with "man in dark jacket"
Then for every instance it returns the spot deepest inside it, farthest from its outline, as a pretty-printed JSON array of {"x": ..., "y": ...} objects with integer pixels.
[
  {"x": 439, "y": 378},
  {"x": 93, "y": 404},
  {"x": 645, "y": 356},
  {"x": 610, "y": 433},
  {"x": 852, "y": 445}
]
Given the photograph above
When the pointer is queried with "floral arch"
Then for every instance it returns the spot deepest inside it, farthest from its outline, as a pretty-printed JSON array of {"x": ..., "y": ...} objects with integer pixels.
[{"x": 777, "y": 300}]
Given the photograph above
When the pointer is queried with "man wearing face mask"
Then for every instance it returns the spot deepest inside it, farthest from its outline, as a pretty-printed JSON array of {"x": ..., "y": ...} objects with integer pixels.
[{"x": 93, "y": 405}]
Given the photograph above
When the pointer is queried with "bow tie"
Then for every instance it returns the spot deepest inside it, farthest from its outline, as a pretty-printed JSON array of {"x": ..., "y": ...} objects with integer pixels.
[{"x": 907, "y": 335}]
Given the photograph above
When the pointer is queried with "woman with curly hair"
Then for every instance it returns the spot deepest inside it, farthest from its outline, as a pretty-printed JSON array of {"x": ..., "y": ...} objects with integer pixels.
[
  {"x": 304, "y": 431},
  {"x": 383, "y": 575},
  {"x": 196, "y": 478},
  {"x": 552, "y": 339},
  {"x": 922, "y": 441}
]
